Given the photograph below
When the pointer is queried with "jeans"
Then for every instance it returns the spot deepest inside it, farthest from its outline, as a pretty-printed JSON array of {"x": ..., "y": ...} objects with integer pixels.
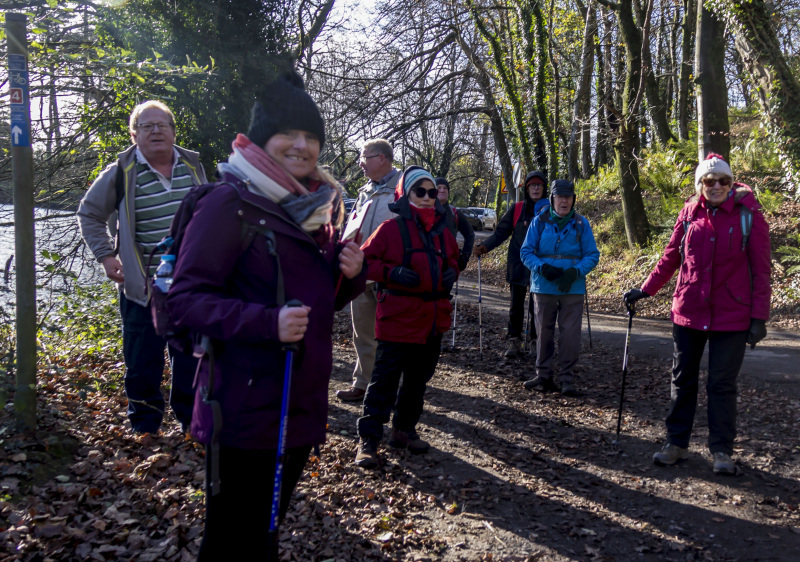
[
  {"x": 416, "y": 362},
  {"x": 725, "y": 356},
  {"x": 143, "y": 351}
]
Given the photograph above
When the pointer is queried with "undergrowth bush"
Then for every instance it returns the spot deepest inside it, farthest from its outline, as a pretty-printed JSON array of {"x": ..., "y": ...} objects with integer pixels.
[{"x": 86, "y": 322}]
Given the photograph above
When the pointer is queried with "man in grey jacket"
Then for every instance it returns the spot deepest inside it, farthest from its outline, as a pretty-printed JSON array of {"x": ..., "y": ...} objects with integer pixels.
[
  {"x": 141, "y": 191},
  {"x": 376, "y": 162}
]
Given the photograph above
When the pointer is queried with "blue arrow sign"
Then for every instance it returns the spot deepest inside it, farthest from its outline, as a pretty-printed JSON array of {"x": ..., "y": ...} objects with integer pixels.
[{"x": 18, "y": 90}]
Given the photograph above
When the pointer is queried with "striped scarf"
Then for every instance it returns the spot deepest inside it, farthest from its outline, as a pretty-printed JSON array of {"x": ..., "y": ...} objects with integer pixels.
[{"x": 310, "y": 207}]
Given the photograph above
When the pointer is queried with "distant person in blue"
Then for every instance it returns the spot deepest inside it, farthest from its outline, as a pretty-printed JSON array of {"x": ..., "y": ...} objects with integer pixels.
[
  {"x": 560, "y": 251},
  {"x": 515, "y": 224}
]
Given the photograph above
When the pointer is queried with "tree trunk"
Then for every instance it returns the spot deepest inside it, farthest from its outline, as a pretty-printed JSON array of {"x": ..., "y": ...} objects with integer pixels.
[
  {"x": 495, "y": 119},
  {"x": 687, "y": 60},
  {"x": 713, "y": 129},
  {"x": 637, "y": 227},
  {"x": 580, "y": 137},
  {"x": 657, "y": 110},
  {"x": 510, "y": 89},
  {"x": 777, "y": 91},
  {"x": 481, "y": 170}
]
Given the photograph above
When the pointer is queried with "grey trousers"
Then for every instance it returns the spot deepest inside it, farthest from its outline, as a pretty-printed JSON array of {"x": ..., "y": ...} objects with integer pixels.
[
  {"x": 568, "y": 309},
  {"x": 363, "y": 310}
]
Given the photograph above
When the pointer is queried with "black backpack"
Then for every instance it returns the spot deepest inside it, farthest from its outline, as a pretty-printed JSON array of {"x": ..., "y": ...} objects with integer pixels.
[{"x": 181, "y": 338}]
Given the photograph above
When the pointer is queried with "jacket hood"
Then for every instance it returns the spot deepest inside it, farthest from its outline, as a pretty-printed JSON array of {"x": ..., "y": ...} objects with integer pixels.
[{"x": 535, "y": 174}]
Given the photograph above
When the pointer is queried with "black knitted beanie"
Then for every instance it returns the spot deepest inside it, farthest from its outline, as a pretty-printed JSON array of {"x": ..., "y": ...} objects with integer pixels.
[{"x": 285, "y": 105}]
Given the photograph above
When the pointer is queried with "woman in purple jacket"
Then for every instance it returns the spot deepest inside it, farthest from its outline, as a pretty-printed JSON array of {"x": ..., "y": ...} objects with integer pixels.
[
  {"x": 265, "y": 235},
  {"x": 720, "y": 246}
]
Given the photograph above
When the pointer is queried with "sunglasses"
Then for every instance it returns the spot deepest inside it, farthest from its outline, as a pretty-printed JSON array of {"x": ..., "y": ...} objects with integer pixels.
[
  {"x": 421, "y": 191},
  {"x": 709, "y": 182}
]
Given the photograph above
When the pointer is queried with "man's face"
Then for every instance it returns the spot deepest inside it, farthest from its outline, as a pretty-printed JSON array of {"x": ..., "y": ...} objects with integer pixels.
[
  {"x": 444, "y": 193},
  {"x": 156, "y": 142},
  {"x": 373, "y": 165},
  {"x": 562, "y": 204},
  {"x": 535, "y": 189}
]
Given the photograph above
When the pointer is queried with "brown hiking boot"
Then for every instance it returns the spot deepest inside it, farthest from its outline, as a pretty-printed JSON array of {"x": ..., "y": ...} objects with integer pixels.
[
  {"x": 408, "y": 440},
  {"x": 352, "y": 394},
  {"x": 367, "y": 456}
]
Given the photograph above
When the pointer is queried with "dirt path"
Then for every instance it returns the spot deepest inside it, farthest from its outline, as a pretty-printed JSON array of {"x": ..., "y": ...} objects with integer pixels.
[
  {"x": 512, "y": 475},
  {"x": 775, "y": 359}
]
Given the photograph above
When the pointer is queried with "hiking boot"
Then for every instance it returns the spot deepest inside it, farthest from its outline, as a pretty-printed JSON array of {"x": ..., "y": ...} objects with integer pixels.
[
  {"x": 367, "y": 456},
  {"x": 670, "y": 454},
  {"x": 513, "y": 348},
  {"x": 567, "y": 389},
  {"x": 408, "y": 440},
  {"x": 352, "y": 394},
  {"x": 723, "y": 464},
  {"x": 540, "y": 384}
]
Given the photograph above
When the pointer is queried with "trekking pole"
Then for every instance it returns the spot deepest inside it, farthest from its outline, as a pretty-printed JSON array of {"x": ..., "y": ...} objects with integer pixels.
[
  {"x": 455, "y": 316},
  {"x": 631, "y": 312},
  {"x": 272, "y": 538},
  {"x": 480, "y": 317},
  {"x": 588, "y": 321},
  {"x": 527, "y": 325}
]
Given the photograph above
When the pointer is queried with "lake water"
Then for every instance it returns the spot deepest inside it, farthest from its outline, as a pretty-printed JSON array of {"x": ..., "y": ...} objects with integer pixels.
[{"x": 57, "y": 231}]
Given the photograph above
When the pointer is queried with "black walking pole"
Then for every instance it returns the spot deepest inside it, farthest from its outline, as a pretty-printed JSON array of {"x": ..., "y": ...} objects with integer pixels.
[
  {"x": 272, "y": 537},
  {"x": 527, "y": 323},
  {"x": 588, "y": 322},
  {"x": 480, "y": 317},
  {"x": 631, "y": 312}
]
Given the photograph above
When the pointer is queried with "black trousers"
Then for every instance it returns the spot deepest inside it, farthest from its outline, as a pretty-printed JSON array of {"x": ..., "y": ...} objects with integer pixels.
[
  {"x": 416, "y": 362},
  {"x": 516, "y": 312},
  {"x": 143, "y": 351},
  {"x": 237, "y": 518},
  {"x": 725, "y": 356}
]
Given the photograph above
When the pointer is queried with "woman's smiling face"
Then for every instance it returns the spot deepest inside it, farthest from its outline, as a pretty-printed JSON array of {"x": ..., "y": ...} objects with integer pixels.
[{"x": 295, "y": 150}]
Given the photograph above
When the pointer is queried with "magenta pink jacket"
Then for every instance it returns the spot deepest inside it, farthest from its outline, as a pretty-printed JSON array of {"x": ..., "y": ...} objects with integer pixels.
[{"x": 720, "y": 286}]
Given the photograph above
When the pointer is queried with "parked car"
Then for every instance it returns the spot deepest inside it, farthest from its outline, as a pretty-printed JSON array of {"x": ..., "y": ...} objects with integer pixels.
[
  {"x": 349, "y": 204},
  {"x": 469, "y": 214},
  {"x": 481, "y": 218}
]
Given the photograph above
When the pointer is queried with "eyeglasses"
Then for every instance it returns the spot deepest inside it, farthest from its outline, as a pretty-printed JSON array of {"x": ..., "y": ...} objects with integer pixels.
[
  {"x": 365, "y": 158},
  {"x": 421, "y": 191},
  {"x": 148, "y": 127},
  {"x": 709, "y": 182}
]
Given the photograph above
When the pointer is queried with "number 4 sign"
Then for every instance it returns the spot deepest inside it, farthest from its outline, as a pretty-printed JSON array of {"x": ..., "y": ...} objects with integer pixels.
[{"x": 17, "y": 95}]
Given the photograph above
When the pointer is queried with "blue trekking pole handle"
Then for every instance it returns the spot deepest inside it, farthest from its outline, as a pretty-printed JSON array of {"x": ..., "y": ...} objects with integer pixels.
[{"x": 281, "y": 452}]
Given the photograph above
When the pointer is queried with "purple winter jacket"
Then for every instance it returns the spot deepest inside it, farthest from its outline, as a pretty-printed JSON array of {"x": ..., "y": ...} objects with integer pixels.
[
  {"x": 720, "y": 285},
  {"x": 230, "y": 295}
]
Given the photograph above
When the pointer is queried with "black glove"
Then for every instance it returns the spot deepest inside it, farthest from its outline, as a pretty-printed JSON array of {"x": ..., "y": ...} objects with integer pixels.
[
  {"x": 449, "y": 278},
  {"x": 463, "y": 259},
  {"x": 633, "y": 295},
  {"x": 757, "y": 332},
  {"x": 567, "y": 279},
  {"x": 551, "y": 272},
  {"x": 404, "y": 276}
]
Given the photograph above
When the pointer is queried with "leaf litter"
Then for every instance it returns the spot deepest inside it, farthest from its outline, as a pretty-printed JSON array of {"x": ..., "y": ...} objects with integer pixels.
[{"x": 512, "y": 475}]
